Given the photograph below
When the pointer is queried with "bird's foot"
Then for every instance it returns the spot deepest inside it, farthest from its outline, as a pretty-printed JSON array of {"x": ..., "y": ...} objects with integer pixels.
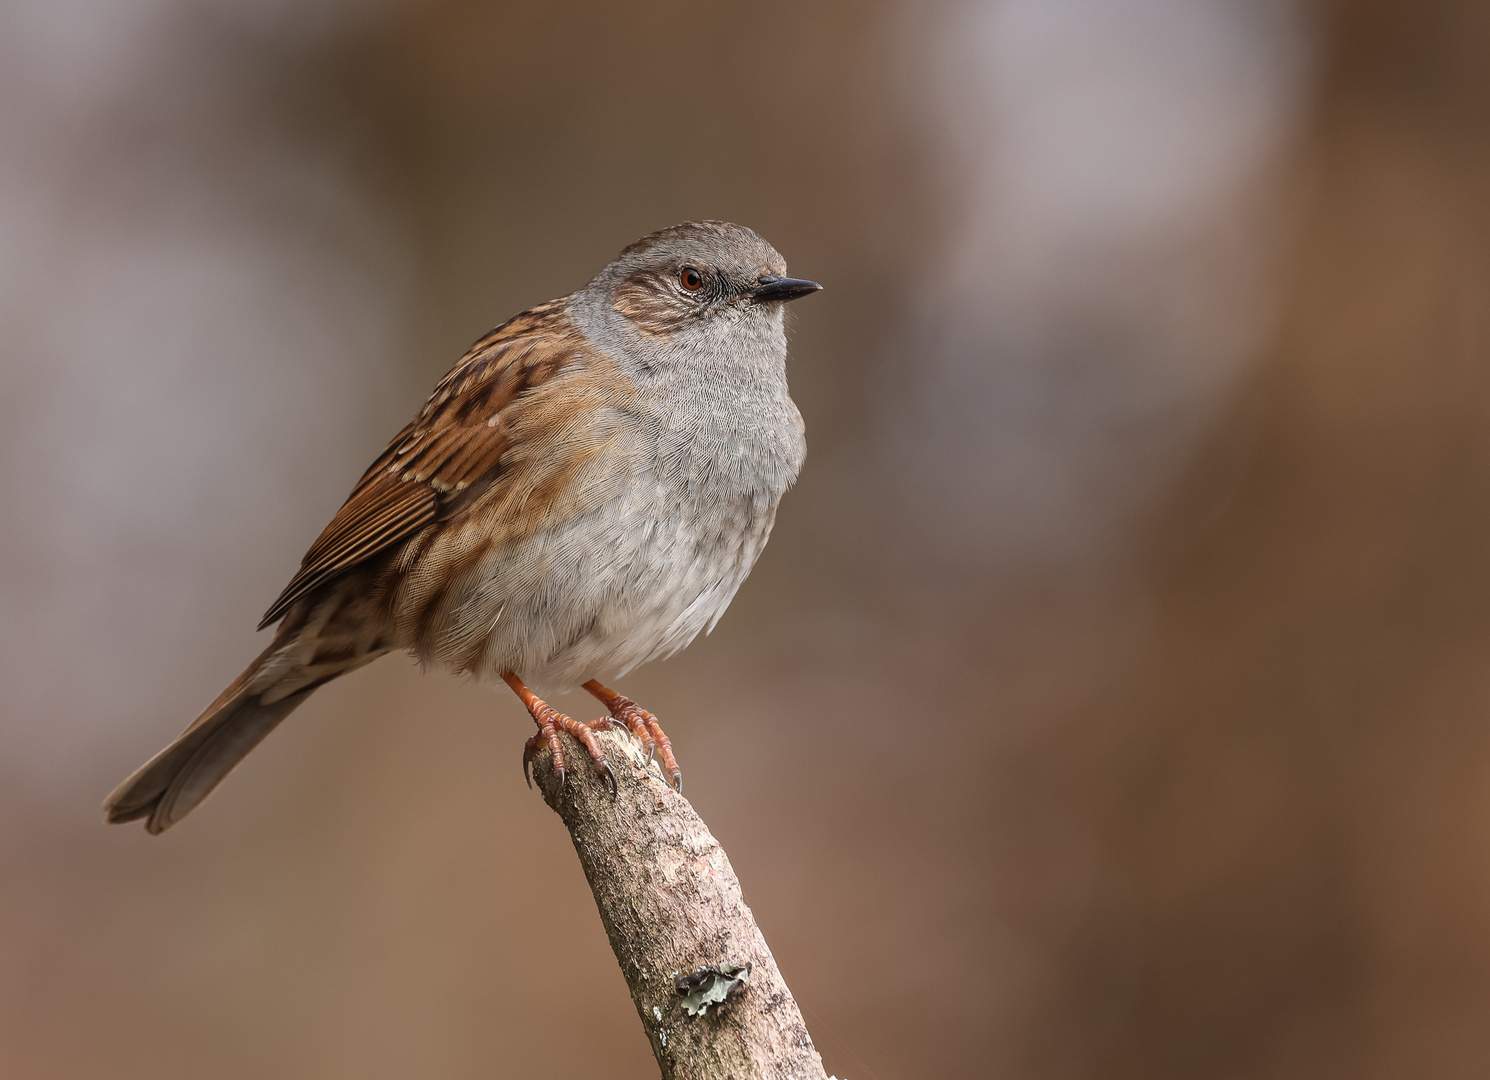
[
  {"x": 550, "y": 722},
  {"x": 644, "y": 726}
]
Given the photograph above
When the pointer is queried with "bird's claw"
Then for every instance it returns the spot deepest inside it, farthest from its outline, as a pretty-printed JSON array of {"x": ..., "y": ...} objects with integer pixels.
[
  {"x": 655, "y": 742},
  {"x": 548, "y": 736}
]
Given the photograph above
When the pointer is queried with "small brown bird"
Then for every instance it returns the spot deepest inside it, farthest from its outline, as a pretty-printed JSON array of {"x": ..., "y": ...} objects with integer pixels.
[{"x": 582, "y": 493}]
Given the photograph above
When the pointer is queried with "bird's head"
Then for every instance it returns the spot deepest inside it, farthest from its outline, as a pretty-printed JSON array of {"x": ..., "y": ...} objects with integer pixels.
[{"x": 700, "y": 281}]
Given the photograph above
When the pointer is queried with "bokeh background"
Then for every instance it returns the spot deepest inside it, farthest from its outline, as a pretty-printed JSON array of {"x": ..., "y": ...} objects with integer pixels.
[{"x": 1114, "y": 698}]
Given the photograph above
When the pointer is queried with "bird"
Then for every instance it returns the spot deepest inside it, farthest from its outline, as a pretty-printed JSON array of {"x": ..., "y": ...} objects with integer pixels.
[{"x": 583, "y": 492}]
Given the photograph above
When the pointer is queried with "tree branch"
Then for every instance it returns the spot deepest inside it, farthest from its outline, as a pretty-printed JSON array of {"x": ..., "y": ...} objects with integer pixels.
[{"x": 675, "y": 916}]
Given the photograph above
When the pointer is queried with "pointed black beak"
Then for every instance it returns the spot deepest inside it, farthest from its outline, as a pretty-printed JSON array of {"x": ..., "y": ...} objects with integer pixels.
[{"x": 772, "y": 288}]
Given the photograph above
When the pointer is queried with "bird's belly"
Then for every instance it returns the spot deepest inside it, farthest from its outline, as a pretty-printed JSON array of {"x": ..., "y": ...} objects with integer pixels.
[{"x": 633, "y": 579}]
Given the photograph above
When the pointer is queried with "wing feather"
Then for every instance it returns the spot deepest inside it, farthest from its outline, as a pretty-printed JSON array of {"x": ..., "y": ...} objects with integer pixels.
[{"x": 458, "y": 439}]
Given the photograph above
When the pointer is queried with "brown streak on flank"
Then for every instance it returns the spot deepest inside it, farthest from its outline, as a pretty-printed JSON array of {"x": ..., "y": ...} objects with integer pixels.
[
  {"x": 553, "y": 488},
  {"x": 451, "y": 445},
  {"x": 430, "y": 608},
  {"x": 536, "y": 483},
  {"x": 413, "y": 552}
]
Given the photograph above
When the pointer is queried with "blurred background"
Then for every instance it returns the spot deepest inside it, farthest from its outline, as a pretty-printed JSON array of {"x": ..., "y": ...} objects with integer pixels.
[{"x": 1114, "y": 698}]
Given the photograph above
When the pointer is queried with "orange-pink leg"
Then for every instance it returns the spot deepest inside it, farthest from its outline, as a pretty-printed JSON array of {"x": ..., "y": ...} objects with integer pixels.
[
  {"x": 643, "y": 725},
  {"x": 550, "y": 722}
]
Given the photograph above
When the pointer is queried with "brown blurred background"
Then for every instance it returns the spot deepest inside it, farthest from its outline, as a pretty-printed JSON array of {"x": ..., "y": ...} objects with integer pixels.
[{"x": 1114, "y": 697}]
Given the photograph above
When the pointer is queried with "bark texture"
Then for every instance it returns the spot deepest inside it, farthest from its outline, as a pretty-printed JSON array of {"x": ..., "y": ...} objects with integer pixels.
[{"x": 671, "y": 904}]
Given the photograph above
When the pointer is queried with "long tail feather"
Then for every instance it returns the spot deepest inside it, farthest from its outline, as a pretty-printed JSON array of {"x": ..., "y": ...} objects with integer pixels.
[
  {"x": 322, "y": 638},
  {"x": 172, "y": 783}
]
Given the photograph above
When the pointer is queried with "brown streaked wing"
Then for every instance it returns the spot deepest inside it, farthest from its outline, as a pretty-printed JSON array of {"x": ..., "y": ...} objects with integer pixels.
[{"x": 457, "y": 440}]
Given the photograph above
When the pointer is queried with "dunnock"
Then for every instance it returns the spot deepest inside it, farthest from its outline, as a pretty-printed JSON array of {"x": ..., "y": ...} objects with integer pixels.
[{"x": 582, "y": 493}]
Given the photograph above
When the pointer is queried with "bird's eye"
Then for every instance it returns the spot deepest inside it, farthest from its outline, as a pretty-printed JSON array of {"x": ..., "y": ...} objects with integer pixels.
[{"x": 691, "y": 279}]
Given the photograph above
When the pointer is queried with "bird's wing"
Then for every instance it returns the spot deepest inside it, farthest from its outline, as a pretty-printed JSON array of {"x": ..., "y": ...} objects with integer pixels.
[{"x": 457, "y": 440}]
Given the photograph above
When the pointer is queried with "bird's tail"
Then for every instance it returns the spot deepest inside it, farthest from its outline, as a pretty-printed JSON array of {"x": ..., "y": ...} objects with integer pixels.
[
  {"x": 168, "y": 786},
  {"x": 171, "y": 784}
]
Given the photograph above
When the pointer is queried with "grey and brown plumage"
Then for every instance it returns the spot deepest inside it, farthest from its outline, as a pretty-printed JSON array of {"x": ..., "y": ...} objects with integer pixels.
[{"x": 583, "y": 492}]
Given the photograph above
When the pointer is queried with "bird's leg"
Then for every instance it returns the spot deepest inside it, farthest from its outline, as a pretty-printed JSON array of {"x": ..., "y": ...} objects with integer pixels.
[
  {"x": 644, "y": 726},
  {"x": 550, "y": 722}
]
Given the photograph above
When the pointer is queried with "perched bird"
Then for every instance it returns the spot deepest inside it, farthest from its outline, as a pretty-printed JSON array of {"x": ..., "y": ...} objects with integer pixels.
[{"x": 582, "y": 493}]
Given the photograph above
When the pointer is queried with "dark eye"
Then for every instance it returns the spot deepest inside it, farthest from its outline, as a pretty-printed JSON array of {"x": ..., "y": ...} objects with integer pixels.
[{"x": 691, "y": 279}]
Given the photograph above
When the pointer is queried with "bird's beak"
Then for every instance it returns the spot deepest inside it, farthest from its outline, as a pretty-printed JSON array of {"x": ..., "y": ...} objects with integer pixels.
[{"x": 772, "y": 288}]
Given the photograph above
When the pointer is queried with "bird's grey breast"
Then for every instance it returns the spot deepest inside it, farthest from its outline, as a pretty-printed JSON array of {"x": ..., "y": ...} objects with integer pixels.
[
  {"x": 722, "y": 439},
  {"x": 720, "y": 457},
  {"x": 714, "y": 442}
]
